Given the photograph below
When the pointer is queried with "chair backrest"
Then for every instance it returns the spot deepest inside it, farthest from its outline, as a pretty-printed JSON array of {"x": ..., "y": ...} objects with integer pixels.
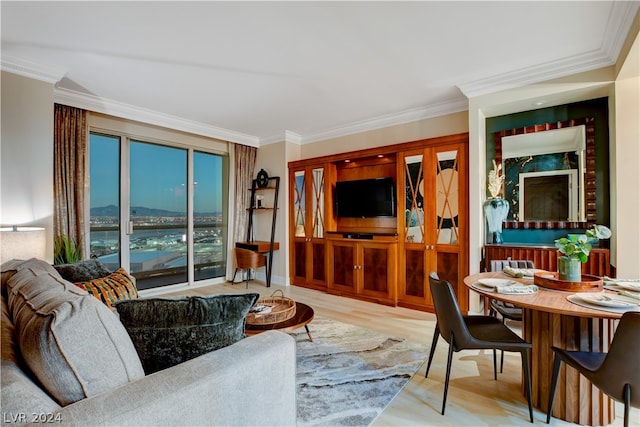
[
  {"x": 249, "y": 259},
  {"x": 448, "y": 313},
  {"x": 500, "y": 264},
  {"x": 622, "y": 364}
]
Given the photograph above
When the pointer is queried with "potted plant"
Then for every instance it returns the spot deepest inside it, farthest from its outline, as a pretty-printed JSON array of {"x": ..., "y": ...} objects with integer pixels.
[
  {"x": 65, "y": 250},
  {"x": 575, "y": 250}
]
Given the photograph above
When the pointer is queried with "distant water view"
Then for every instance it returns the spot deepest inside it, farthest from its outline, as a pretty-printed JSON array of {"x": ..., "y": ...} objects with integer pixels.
[{"x": 158, "y": 245}]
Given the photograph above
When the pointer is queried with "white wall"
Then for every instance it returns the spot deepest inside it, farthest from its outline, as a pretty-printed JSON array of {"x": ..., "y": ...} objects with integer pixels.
[
  {"x": 625, "y": 171},
  {"x": 26, "y": 152}
]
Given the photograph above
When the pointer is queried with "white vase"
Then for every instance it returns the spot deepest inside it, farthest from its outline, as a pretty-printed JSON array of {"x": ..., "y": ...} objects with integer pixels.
[{"x": 496, "y": 210}]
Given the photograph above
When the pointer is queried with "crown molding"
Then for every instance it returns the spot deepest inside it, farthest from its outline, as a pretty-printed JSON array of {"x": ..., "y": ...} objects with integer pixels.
[
  {"x": 526, "y": 76},
  {"x": 32, "y": 70},
  {"x": 286, "y": 136},
  {"x": 618, "y": 25},
  {"x": 380, "y": 122},
  {"x": 130, "y": 112}
]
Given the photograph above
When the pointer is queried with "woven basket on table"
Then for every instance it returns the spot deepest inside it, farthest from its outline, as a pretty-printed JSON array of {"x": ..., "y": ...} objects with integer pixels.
[{"x": 282, "y": 308}]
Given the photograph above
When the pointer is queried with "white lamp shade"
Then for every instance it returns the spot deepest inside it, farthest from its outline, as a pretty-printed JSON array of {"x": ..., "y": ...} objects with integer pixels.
[{"x": 22, "y": 243}]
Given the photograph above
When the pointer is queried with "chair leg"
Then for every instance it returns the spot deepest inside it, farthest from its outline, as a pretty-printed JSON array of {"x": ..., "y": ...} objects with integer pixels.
[
  {"x": 495, "y": 369},
  {"x": 436, "y": 334},
  {"x": 501, "y": 360},
  {"x": 627, "y": 403},
  {"x": 248, "y": 271},
  {"x": 233, "y": 279},
  {"x": 446, "y": 381},
  {"x": 554, "y": 382},
  {"x": 527, "y": 380}
]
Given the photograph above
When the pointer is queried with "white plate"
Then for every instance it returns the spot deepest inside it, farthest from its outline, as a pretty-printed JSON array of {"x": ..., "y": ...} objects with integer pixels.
[
  {"x": 604, "y": 300},
  {"x": 630, "y": 286}
]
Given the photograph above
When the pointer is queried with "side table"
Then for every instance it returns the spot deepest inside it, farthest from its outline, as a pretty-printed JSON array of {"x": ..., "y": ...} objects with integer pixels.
[{"x": 304, "y": 315}]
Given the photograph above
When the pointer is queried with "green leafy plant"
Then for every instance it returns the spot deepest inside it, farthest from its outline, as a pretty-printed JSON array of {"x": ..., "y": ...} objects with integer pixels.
[
  {"x": 579, "y": 246},
  {"x": 65, "y": 250}
]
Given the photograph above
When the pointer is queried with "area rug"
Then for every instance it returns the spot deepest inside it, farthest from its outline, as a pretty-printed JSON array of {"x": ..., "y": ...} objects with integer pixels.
[{"x": 348, "y": 375}]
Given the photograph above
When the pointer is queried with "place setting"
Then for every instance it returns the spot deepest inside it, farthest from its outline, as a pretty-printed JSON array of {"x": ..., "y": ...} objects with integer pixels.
[
  {"x": 504, "y": 286},
  {"x": 625, "y": 297}
]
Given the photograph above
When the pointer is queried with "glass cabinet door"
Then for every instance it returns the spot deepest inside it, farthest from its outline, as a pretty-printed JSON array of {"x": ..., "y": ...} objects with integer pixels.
[
  {"x": 299, "y": 204},
  {"x": 414, "y": 226},
  {"x": 446, "y": 194},
  {"x": 308, "y": 202},
  {"x": 317, "y": 176}
]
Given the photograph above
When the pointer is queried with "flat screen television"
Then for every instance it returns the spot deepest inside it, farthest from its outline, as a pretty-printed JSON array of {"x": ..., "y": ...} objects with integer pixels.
[{"x": 365, "y": 198}]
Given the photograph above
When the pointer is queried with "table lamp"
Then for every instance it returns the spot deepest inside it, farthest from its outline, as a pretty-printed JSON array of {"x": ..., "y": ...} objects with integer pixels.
[{"x": 22, "y": 243}]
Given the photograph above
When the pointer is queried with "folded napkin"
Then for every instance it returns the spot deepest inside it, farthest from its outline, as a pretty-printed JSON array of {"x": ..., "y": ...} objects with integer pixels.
[
  {"x": 516, "y": 289},
  {"x": 518, "y": 272},
  {"x": 630, "y": 294},
  {"x": 613, "y": 281},
  {"x": 508, "y": 287}
]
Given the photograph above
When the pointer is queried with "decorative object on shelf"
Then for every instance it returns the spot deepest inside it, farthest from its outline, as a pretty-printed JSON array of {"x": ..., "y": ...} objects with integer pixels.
[
  {"x": 262, "y": 179},
  {"x": 496, "y": 208},
  {"x": 575, "y": 249},
  {"x": 496, "y": 179}
]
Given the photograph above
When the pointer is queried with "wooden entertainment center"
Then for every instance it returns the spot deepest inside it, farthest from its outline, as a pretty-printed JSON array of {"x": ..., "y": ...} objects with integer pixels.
[{"x": 383, "y": 259}]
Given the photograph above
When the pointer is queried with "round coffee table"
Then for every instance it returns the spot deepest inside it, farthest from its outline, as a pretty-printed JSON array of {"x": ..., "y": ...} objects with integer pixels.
[{"x": 304, "y": 315}]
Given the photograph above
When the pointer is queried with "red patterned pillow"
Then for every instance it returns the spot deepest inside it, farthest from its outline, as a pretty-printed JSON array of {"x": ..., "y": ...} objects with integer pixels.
[{"x": 115, "y": 287}]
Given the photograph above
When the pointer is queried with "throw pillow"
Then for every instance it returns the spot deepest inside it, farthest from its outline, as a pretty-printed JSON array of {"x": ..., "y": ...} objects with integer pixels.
[
  {"x": 115, "y": 287},
  {"x": 82, "y": 271},
  {"x": 37, "y": 266},
  {"x": 169, "y": 331},
  {"x": 73, "y": 344}
]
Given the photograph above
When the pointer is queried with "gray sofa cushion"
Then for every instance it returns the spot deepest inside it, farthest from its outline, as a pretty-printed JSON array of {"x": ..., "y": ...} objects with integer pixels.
[
  {"x": 169, "y": 331},
  {"x": 11, "y": 267},
  {"x": 72, "y": 343},
  {"x": 82, "y": 271}
]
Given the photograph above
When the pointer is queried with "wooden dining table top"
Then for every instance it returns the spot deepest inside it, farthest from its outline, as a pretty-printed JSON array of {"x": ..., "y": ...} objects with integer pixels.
[{"x": 547, "y": 300}]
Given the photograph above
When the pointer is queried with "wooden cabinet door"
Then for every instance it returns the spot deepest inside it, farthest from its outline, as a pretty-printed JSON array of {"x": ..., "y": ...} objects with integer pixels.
[
  {"x": 343, "y": 270},
  {"x": 377, "y": 271},
  {"x": 434, "y": 227},
  {"x": 307, "y": 206}
]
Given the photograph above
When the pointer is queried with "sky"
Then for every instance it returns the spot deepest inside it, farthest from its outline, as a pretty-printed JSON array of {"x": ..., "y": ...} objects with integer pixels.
[{"x": 158, "y": 176}]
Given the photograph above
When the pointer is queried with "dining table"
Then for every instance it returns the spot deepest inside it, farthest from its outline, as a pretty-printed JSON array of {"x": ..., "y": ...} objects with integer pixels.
[{"x": 550, "y": 319}]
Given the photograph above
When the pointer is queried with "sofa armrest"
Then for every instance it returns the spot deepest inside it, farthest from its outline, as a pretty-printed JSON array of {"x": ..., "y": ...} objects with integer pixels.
[{"x": 249, "y": 383}]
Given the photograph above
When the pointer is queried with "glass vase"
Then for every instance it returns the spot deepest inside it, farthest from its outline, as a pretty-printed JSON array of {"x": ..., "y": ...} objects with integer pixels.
[
  {"x": 569, "y": 269},
  {"x": 496, "y": 210}
]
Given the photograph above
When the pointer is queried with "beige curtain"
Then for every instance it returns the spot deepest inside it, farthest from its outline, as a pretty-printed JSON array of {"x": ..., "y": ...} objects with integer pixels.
[
  {"x": 245, "y": 160},
  {"x": 69, "y": 155}
]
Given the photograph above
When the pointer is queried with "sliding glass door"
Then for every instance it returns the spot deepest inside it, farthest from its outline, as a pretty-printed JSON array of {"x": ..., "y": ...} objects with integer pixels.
[
  {"x": 157, "y": 210},
  {"x": 158, "y": 214}
]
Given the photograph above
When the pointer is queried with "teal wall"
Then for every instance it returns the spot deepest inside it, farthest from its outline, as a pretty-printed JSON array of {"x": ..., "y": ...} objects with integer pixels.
[{"x": 596, "y": 108}]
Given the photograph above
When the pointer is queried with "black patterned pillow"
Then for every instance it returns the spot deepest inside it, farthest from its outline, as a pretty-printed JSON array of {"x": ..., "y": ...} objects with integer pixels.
[
  {"x": 169, "y": 331},
  {"x": 115, "y": 287},
  {"x": 82, "y": 271}
]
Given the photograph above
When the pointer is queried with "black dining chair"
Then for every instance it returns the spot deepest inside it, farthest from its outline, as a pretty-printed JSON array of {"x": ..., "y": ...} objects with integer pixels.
[
  {"x": 616, "y": 373},
  {"x": 505, "y": 309},
  {"x": 472, "y": 332}
]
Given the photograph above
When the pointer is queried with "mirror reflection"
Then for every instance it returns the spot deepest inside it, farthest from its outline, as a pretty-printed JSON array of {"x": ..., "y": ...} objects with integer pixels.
[
  {"x": 545, "y": 175},
  {"x": 550, "y": 173}
]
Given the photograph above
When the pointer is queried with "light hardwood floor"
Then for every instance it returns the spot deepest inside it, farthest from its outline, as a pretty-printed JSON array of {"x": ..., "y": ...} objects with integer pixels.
[{"x": 474, "y": 399}]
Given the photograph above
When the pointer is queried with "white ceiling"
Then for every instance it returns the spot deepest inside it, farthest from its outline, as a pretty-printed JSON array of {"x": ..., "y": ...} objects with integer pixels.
[{"x": 251, "y": 71}]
